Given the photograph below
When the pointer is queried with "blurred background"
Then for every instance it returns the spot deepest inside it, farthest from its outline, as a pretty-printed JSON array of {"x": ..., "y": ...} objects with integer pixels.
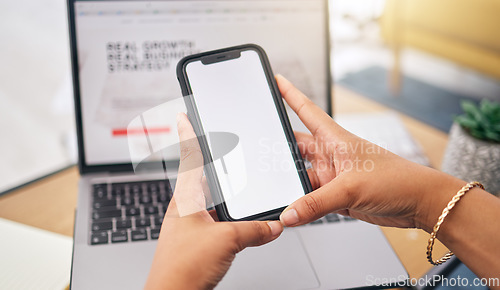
[
  {"x": 36, "y": 111},
  {"x": 418, "y": 57}
]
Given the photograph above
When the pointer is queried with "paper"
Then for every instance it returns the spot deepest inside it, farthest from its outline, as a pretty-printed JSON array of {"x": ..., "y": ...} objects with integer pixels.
[{"x": 32, "y": 258}]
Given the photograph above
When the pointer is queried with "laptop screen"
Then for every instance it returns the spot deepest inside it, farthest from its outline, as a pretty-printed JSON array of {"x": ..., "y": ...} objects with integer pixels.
[{"x": 126, "y": 52}]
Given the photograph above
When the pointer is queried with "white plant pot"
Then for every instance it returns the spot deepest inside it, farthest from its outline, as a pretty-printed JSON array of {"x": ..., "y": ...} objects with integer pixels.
[{"x": 471, "y": 159}]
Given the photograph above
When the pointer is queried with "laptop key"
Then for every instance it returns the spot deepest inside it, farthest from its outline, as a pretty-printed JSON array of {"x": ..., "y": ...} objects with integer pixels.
[
  {"x": 132, "y": 211},
  {"x": 135, "y": 189},
  {"x": 164, "y": 208},
  {"x": 332, "y": 218},
  {"x": 348, "y": 218},
  {"x": 151, "y": 210},
  {"x": 319, "y": 221},
  {"x": 99, "y": 214},
  {"x": 118, "y": 191},
  {"x": 142, "y": 222},
  {"x": 155, "y": 234},
  {"x": 99, "y": 238},
  {"x": 153, "y": 188},
  {"x": 123, "y": 223},
  {"x": 158, "y": 221},
  {"x": 100, "y": 203},
  {"x": 127, "y": 200},
  {"x": 100, "y": 192},
  {"x": 101, "y": 226},
  {"x": 139, "y": 235},
  {"x": 119, "y": 236},
  {"x": 145, "y": 199},
  {"x": 163, "y": 198}
]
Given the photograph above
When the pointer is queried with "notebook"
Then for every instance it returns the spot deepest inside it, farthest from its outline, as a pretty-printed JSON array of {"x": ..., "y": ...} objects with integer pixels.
[{"x": 32, "y": 258}]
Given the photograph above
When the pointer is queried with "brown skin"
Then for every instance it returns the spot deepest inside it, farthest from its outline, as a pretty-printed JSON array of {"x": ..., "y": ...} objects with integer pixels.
[
  {"x": 389, "y": 190},
  {"x": 194, "y": 251},
  {"x": 354, "y": 177},
  {"x": 350, "y": 176}
]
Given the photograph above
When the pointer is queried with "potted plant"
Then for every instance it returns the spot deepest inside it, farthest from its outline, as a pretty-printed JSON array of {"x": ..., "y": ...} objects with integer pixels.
[{"x": 473, "y": 151}]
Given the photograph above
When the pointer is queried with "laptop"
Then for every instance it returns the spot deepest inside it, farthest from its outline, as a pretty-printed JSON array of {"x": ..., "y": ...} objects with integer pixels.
[{"x": 124, "y": 55}]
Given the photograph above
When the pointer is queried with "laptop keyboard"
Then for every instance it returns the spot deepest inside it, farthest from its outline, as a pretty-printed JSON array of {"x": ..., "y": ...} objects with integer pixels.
[
  {"x": 128, "y": 212},
  {"x": 332, "y": 218},
  {"x": 133, "y": 211}
]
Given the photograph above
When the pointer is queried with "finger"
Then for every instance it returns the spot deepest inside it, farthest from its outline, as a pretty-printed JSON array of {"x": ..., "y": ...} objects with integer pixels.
[
  {"x": 331, "y": 197},
  {"x": 206, "y": 192},
  {"x": 307, "y": 145},
  {"x": 313, "y": 178},
  {"x": 255, "y": 233},
  {"x": 191, "y": 158},
  {"x": 305, "y": 142},
  {"x": 311, "y": 115},
  {"x": 188, "y": 196},
  {"x": 323, "y": 169}
]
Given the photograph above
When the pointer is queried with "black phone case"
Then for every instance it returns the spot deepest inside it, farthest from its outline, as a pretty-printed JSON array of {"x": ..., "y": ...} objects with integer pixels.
[{"x": 192, "y": 112}]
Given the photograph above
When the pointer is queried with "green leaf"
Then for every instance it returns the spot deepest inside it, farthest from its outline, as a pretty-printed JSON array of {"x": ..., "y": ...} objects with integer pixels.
[
  {"x": 495, "y": 119},
  {"x": 482, "y": 121},
  {"x": 478, "y": 134},
  {"x": 496, "y": 127},
  {"x": 486, "y": 106},
  {"x": 495, "y": 114},
  {"x": 491, "y": 110},
  {"x": 492, "y": 136},
  {"x": 467, "y": 122},
  {"x": 470, "y": 109}
]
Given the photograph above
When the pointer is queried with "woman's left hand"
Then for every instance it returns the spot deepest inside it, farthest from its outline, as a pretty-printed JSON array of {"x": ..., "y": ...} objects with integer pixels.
[{"x": 194, "y": 251}]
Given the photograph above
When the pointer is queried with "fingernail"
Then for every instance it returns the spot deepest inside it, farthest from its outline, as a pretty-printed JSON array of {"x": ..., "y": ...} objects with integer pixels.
[
  {"x": 275, "y": 227},
  {"x": 289, "y": 217}
]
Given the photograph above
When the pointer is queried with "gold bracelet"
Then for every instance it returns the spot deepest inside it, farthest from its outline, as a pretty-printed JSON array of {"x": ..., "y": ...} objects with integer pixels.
[{"x": 446, "y": 211}]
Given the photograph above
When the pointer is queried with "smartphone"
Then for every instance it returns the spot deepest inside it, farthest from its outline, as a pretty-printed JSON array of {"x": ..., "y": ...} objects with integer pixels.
[{"x": 232, "y": 99}]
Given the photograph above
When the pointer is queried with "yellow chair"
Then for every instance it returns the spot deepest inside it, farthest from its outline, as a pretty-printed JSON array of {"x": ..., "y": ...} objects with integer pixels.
[{"x": 464, "y": 31}]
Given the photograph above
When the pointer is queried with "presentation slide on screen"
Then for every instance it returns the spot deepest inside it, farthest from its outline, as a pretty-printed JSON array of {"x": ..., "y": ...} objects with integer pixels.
[{"x": 128, "y": 52}]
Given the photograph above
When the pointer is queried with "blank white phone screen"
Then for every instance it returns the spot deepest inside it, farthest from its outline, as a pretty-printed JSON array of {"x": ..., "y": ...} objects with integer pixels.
[{"x": 233, "y": 96}]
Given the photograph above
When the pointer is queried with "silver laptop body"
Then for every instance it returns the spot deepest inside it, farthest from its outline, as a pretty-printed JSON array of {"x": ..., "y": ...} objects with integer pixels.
[{"x": 124, "y": 54}]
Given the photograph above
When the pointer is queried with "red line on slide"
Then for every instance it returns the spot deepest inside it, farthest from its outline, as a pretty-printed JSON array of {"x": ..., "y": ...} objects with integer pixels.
[{"x": 136, "y": 131}]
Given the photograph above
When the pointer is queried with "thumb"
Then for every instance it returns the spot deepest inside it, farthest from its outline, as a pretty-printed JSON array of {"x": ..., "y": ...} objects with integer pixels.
[
  {"x": 331, "y": 197},
  {"x": 255, "y": 233}
]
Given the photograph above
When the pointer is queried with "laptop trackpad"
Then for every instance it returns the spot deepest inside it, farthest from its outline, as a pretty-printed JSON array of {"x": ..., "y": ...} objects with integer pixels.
[{"x": 282, "y": 264}]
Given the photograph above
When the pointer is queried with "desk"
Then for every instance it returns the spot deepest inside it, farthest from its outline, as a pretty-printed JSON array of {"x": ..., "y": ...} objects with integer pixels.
[{"x": 49, "y": 204}]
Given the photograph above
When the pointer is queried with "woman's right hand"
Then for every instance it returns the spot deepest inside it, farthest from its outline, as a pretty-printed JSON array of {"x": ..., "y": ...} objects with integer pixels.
[{"x": 354, "y": 177}]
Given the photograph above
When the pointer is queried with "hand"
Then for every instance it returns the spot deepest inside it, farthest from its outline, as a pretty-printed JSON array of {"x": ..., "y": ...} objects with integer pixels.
[
  {"x": 194, "y": 251},
  {"x": 354, "y": 177}
]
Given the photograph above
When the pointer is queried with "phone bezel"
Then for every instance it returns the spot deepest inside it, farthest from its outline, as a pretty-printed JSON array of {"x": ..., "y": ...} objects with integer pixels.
[{"x": 193, "y": 115}]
